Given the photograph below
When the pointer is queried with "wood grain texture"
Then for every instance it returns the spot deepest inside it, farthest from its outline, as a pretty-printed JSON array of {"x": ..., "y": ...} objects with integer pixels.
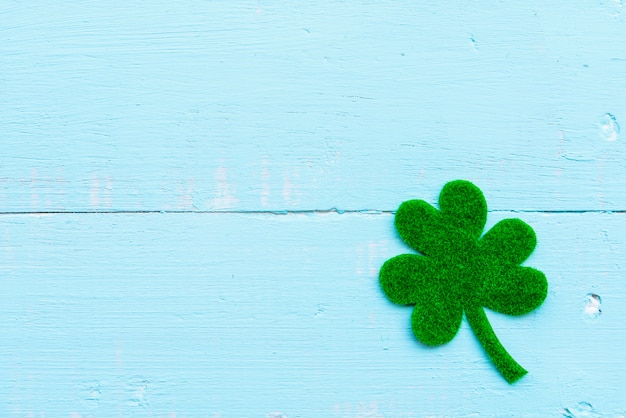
[
  {"x": 246, "y": 106},
  {"x": 257, "y": 151},
  {"x": 245, "y": 315}
]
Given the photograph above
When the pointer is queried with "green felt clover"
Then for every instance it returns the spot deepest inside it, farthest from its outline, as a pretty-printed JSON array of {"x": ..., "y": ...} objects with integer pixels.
[{"x": 461, "y": 271}]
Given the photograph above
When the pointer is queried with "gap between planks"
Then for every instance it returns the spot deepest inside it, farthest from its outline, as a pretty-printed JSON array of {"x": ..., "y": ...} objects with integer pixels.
[{"x": 284, "y": 212}]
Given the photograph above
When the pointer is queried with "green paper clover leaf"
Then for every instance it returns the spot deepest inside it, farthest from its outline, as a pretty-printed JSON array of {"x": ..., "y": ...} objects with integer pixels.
[{"x": 461, "y": 271}]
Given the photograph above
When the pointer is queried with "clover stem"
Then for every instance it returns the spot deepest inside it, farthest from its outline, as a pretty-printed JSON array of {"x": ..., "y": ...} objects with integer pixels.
[{"x": 503, "y": 361}]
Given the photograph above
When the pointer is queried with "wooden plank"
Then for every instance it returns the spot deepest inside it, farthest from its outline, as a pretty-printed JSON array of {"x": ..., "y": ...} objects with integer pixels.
[
  {"x": 254, "y": 108},
  {"x": 219, "y": 106},
  {"x": 155, "y": 315}
]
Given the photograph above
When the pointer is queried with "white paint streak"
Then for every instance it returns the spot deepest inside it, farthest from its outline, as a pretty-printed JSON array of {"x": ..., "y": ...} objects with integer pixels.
[
  {"x": 370, "y": 256},
  {"x": 376, "y": 251},
  {"x": 100, "y": 193},
  {"x": 265, "y": 177},
  {"x": 225, "y": 197},
  {"x": 185, "y": 197},
  {"x": 289, "y": 192},
  {"x": 94, "y": 192}
]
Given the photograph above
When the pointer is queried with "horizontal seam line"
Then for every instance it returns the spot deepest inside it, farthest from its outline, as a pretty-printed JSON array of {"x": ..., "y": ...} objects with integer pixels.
[
  {"x": 245, "y": 212},
  {"x": 602, "y": 211},
  {"x": 286, "y": 212}
]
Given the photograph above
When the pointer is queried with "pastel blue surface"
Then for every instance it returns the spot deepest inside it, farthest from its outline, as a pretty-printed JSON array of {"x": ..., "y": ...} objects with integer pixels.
[{"x": 256, "y": 151}]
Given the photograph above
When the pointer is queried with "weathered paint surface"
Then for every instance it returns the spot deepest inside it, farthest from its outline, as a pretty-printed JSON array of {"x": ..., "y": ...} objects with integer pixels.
[{"x": 175, "y": 113}]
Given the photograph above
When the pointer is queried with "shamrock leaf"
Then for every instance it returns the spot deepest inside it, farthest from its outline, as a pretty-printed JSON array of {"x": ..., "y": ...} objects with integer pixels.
[{"x": 461, "y": 271}]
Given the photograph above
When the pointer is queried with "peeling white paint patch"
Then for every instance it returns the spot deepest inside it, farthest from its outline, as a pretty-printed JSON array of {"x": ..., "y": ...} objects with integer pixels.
[
  {"x": 276, "y": 415},
  {"x": 609, "y": 128},
  {"x": 91, "y": 394},
  {"x": 473, "y": 43},
  {"x": 138, "y": 385},
  {"x": 591, "y": 306}
]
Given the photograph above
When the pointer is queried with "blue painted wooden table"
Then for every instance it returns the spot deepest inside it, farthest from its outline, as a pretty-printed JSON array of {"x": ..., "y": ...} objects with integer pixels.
[{"x": 196, "y": 198}]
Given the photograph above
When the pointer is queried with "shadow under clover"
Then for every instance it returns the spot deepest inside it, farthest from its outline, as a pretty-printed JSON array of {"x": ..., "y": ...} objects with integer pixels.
[{"x": 461, "y": 271}]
